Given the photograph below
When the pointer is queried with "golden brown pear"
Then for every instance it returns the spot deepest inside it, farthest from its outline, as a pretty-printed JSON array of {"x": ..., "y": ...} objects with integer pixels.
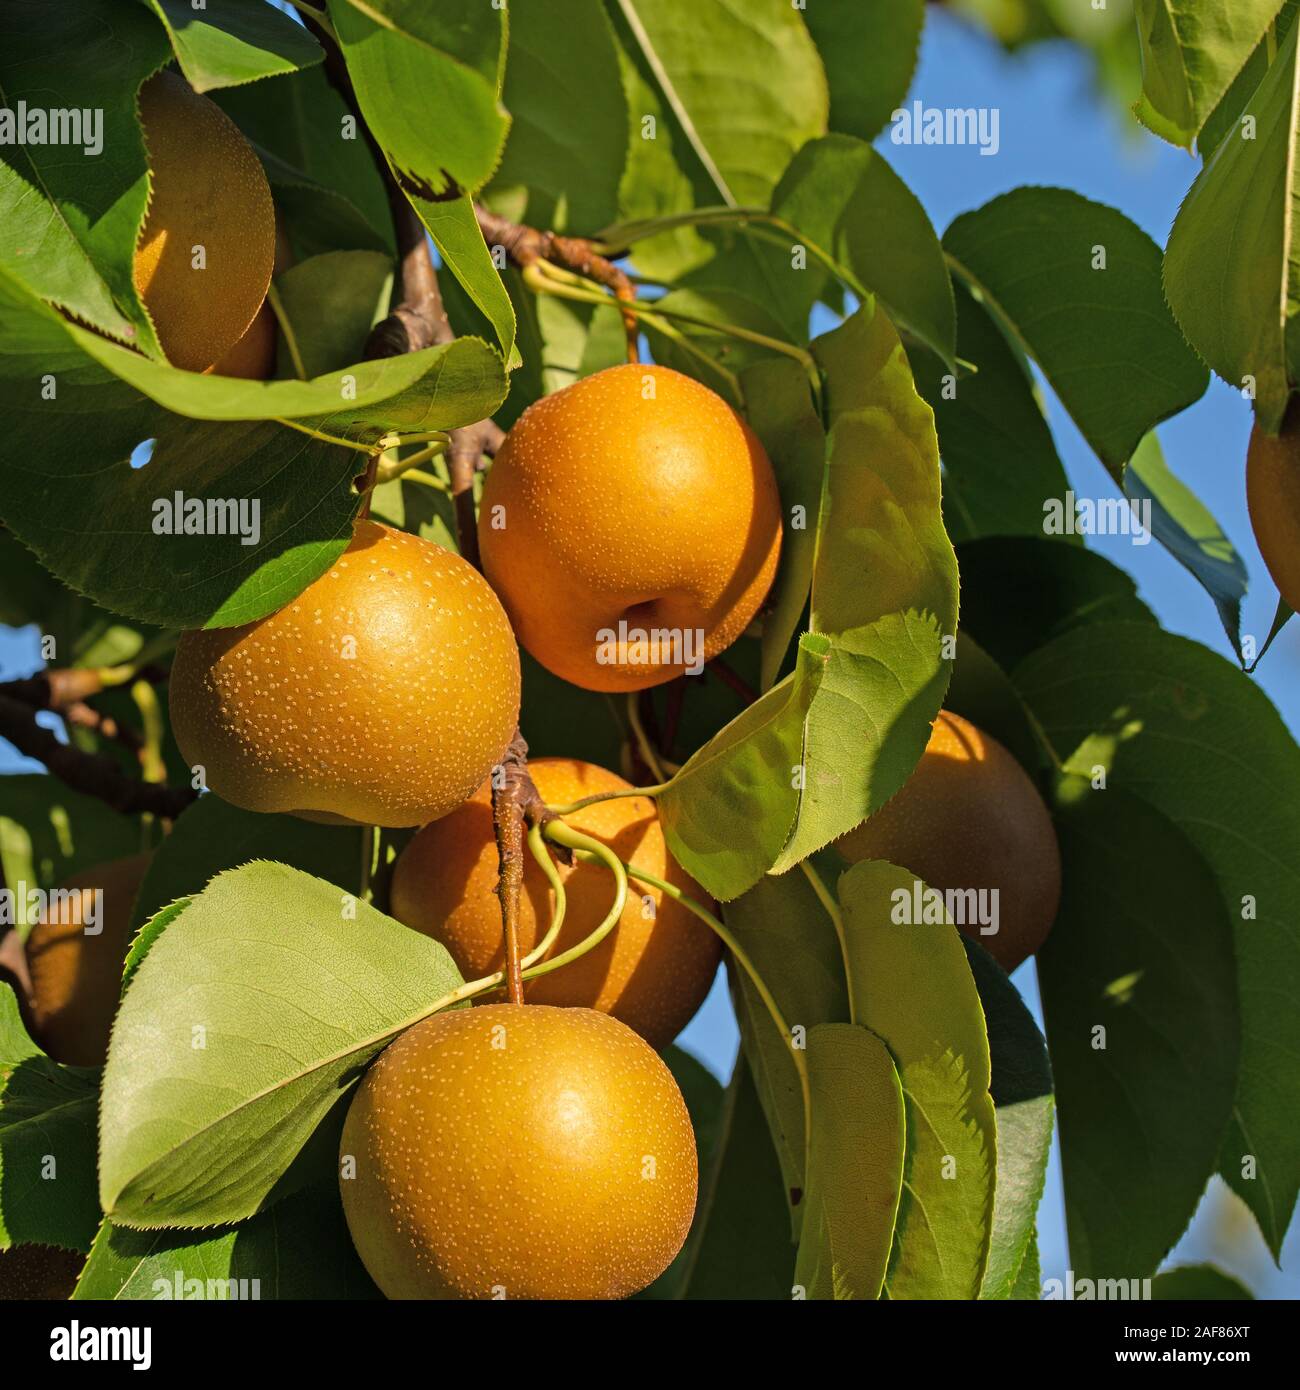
[
  {"x": 969, "y": 817},
  {"x": 253, "y": 356},
  {"x": 32, "y": 1272},
  {"x": 209, "y": 202},
  {"x": 654, "y": 969},
  {"x": 1273, "y": 495},
  {"x": 517, "y": 1151},
  {"x": 76, "y": 975},
  {"x": 634, "y": 501},
  {"x": 382, "y": 695}
]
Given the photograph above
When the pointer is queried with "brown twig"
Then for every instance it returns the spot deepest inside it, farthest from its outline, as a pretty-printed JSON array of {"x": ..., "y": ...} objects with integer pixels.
[
  {"x": 95, "y": 774},
  {"x": 85, "y": 716},
  {"x": 731, "y": 680},
  {"x": 525, "y": 245},
  {"x": 516, "y": 802},
  {"x": 673, "y": 715}
]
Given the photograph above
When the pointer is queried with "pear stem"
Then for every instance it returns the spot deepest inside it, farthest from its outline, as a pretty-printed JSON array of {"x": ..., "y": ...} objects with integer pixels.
[
  {"x": 573, "y": 806},
  {"x": 747, "y": 965}
]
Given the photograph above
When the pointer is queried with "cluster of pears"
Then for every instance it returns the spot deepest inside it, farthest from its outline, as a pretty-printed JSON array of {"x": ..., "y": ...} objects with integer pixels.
[{"x": 539, "y": 1150}]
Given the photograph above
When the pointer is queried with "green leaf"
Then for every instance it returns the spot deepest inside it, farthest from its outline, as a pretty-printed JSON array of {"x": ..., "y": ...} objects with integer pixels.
[
  {"x": 785, "y": 931},
  {"x": 1029, "y": 1280},
  {"x": 1231, "y": 265},
  {"x": 784, "y": 416},
  {"x": 869, "y": 50},
  {"x": 428, "y": 80},
  {"x": 455, "y": 231},
  {"x": 655, "y": 182},
  {"x": 72, "y": 465},
  {"x": 228, "y": 42},
  {"x": 1228, "y": 112},
  {"x": 569, "y": 117},
  {"x": 435, "y": 388},
  {"x": 841, "y": 196},
  {"x": 739, "y": 1246},
  {"x": 68, "y": 220},
  {"x": 1195, "y": 738},
  {"x": 49, "y": 832},
  {"x": 999, "y": 459},
  {"x": 1104, "y": 338},
  {"x": 1185, "y": 526},
  {"x": 47, "y": 1142},
  {"x": 880, "y": 515},
  {"x": 871, "y": 675},
  {"x": 212, "y": 836},
  {"x": 1198, "y": 1284},
  {"x": 910, "y": 984},
  {"x": 107, "y": 510},
  {"x": 298, "y": 1249},
  {"x": 729, "y": 355},
  {"x": 331, "y": 303},
  {"x": 1019, "y": 593},
  {"x": 200, "y": 1117},
  {"x": 1021, "y": 1087},
  {"x": 855, "y": 1164},
  {"x": 1139, "y": 995},
  {"x": 559, "y": 340},
  {"x": 744, "y": 88},
  {"x": 1190, "y": 54},
  {"x": 297, "y": 126}
]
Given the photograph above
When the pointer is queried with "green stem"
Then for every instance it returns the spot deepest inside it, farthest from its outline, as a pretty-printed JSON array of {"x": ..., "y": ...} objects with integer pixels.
[
  {"x": 573, "y": 806},
  {"x": 472, "y": 988},
  {"x": 393, "y": 440},
  {"x": 747, "y": 965},
  {"x": 368, "y": 846},
  {"x": 837, "y": 918},
  {"x": 418, "y": 475},
  {"x": 656, "y": 310},
  {"x": 648, "y": 754},
  {"x": 325, "y": 438},
  {"x": 290, "y": 337},
  {"x": 387, "y": 472},
  {"x": 537, "y": 846},
  {"x": 584, "y": 845}
]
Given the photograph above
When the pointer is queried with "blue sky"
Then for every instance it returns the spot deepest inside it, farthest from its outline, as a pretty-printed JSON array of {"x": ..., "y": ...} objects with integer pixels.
[{"x": 1056, "y": 131}]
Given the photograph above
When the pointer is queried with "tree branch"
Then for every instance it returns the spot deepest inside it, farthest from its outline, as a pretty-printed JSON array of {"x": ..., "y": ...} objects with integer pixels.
[
  {"x": 95, "y": 774},
  {"x": 515, "y": 803},
  {"x": 524, "y": 245}
]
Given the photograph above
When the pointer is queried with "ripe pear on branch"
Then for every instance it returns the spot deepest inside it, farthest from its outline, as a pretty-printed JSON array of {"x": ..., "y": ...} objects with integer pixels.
[
  {"x": 382, "y": 695},
  {"x": 203, "y": 260},
  {"x": 969, "y": 817},
  {"x": 654, "y": 969},
  {"x": 635, "y": 502},
  {"x": 75, "y": 954}
]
